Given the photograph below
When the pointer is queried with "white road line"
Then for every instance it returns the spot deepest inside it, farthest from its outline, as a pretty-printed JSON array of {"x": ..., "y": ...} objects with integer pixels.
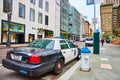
[
  {"x": 102, "y": 48},
  {"x": 0, "y": 66},
  {"x": 70, "y": 72}
]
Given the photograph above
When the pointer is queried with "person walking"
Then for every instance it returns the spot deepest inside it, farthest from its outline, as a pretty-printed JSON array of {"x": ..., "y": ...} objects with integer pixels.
[{"x": 102, "y": 42}]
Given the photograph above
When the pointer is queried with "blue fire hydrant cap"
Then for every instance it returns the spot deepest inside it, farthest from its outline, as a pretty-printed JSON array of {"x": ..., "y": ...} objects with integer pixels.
[{"x": 85, "y": 50}]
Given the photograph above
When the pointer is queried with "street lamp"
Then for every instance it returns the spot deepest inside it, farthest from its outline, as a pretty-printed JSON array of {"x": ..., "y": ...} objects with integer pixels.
[{"x": 9, "y": 20}]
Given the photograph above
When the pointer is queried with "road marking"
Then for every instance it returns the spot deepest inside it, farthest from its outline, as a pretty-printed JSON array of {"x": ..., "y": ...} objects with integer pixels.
[
  {"x": 106, "y": 66},
  {"x": 0, "y": 66},
  {"x": 104, "y": 59},
  {"x": 102, "y": 48}
]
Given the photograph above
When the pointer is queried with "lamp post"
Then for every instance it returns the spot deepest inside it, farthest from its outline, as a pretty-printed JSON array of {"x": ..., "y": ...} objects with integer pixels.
[{"x": 9, "y": 20}]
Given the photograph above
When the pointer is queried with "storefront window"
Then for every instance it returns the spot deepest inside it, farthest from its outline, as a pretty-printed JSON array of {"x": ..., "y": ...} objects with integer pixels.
[
  {"x": 16, "y": 32},
  {"x": 13, "y": 27}
]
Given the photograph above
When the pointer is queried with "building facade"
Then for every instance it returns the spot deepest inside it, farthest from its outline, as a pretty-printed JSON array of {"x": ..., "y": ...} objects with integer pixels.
[
  {"x": 64, "y": 14},
  {"x": 82, "y": 28},
  {"x": 57, "y": 19},
  {"x": 116, "y": 19},
  {"x": 106, "y": 19},
  {"x": 70, "y": 23},
  {"x": 28, "y": 17},
  {"x": 76, "y": 24},
  {"x": 87, "y": 29},
  {"x": 111, "y": 1},
  {"x": 110, "y": 19}
]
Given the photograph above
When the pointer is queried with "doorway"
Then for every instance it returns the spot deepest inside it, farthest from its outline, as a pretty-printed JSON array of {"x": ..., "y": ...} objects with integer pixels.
[{"x": 20, "y": 38}]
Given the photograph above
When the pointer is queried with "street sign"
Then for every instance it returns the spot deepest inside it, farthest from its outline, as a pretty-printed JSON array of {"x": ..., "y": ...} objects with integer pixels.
[{"x": 94, "y": 20}]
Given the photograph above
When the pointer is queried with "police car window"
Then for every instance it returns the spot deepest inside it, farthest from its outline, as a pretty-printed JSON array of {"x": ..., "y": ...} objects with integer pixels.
[
  {"x": 71, "y": 44},
  {"x": 62, "y": 41},
  {"x": 64, "y": 46}
]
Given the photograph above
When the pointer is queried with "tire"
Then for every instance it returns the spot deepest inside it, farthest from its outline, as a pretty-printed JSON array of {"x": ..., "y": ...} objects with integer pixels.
[
  {"x": 79, "y": 54},
  {"x": 58, "y": 68},
  {"x": 78, "y": 57}
]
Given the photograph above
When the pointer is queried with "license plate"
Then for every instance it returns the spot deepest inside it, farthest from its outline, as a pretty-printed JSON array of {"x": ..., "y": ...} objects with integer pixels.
[
  {"x": 16, "y": 57},
  {"x": 23, "y": 71}
]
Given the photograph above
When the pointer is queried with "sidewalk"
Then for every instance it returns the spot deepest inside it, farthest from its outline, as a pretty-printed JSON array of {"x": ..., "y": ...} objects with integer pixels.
[
  {"x": 12, "y": 45},
  {"x": 104, "y": 66}
]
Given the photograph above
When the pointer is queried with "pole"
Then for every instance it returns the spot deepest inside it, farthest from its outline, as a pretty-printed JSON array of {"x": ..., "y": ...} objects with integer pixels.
[
  {"x": 94, "y": 16},
  {"x": 96, "y": 34},
  {"x": 9, "y": 20}
]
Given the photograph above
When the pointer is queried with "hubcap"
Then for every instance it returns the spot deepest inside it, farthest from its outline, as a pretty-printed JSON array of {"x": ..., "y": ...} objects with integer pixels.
[{"x": 59, "y": 65}]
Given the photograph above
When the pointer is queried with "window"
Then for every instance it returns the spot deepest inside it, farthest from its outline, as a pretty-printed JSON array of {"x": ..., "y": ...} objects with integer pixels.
[
  {"x": 62, "y": 41},
  {"x": 21, "y": 10},
  {"x": 46, "y": 6},
  {"x": 41, "y": 3},
  {"x": 32, "y": 14},
  {"x": 64, "y": 46},
  {"x": 46, "y": 20},
  {"x": 32, "y": 1},
  {"x": 39, "y": 17},
  {"x": 45, "y": 44},
  {"x": 7, "y": 5},
  {"x": 71, "y": 44}
]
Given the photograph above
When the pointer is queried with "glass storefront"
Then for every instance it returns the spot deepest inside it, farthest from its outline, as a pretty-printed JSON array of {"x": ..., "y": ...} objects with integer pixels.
[
  {"x": 31, "y": 37},
  {"x": 17, "y": 32}
]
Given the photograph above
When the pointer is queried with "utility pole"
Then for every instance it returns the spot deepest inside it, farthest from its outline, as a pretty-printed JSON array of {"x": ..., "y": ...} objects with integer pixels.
[
  {"x": 96, "y": 33},
  {"x": 9, "y": 13}
]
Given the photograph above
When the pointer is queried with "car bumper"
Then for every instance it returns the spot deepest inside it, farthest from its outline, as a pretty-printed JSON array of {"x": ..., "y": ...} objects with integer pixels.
[
  {"x": 89, "y": 44},
  {"x": 26, "y": 69}
]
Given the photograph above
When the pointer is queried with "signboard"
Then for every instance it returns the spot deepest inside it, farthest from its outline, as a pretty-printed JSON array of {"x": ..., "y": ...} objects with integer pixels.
[
  {"x": 94, "y": 20},
  {"x": 89, "y": 2}
]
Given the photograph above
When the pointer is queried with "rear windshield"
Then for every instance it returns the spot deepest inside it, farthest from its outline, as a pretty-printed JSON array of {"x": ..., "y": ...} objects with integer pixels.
[{"x": 46, "y": 44}]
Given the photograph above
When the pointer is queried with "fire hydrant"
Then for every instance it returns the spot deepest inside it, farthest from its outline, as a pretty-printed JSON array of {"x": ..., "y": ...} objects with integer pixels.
[{"x": 85, "y": 59}]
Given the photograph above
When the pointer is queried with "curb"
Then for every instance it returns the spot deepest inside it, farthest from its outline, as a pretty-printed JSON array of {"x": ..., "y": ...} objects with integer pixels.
[{"x": 69, "y": 73}]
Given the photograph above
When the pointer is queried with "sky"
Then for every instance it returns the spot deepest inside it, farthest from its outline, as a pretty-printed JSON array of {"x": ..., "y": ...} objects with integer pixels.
[{"x": 86, "y": 10}]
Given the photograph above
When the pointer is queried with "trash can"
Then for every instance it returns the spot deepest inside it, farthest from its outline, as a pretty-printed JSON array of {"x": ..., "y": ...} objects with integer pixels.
[{"x": 85, "y": 52}]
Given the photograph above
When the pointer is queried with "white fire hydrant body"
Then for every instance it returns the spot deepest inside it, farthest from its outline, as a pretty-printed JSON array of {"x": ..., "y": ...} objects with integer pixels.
[{"x": 85, "y": 59}]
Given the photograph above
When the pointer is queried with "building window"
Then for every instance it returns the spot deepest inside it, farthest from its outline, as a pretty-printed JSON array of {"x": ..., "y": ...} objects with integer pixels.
[
  {"x": 41, "y": 3},
  {"x": 7, "y": 5},
  {"x": 32, "y": 14},
  {"x": 32, "y": 1},
  {"x": 39, "y": 17},
  {"x": 46, "y": 20},
  {"x": 21, "y": 10},
  {"x": 47, "y": 6}
]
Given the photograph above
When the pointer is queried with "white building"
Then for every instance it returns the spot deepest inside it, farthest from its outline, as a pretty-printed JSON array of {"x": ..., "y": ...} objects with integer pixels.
[
  {"x": 27, "y": 17},
  {"x": 82, "y": 27}
]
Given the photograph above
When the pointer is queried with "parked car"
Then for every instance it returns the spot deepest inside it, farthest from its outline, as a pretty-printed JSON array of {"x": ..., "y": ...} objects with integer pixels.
[
  {"x": 89, "y": 41},
  {"x": 41, "y": 56}
]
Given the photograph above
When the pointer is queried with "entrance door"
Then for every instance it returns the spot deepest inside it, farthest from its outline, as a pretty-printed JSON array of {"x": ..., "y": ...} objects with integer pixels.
[{"x": 20, "y": 38}]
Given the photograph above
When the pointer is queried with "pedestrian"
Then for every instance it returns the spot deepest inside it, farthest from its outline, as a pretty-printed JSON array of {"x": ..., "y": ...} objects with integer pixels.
[{"x": 102, "y": 42}]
